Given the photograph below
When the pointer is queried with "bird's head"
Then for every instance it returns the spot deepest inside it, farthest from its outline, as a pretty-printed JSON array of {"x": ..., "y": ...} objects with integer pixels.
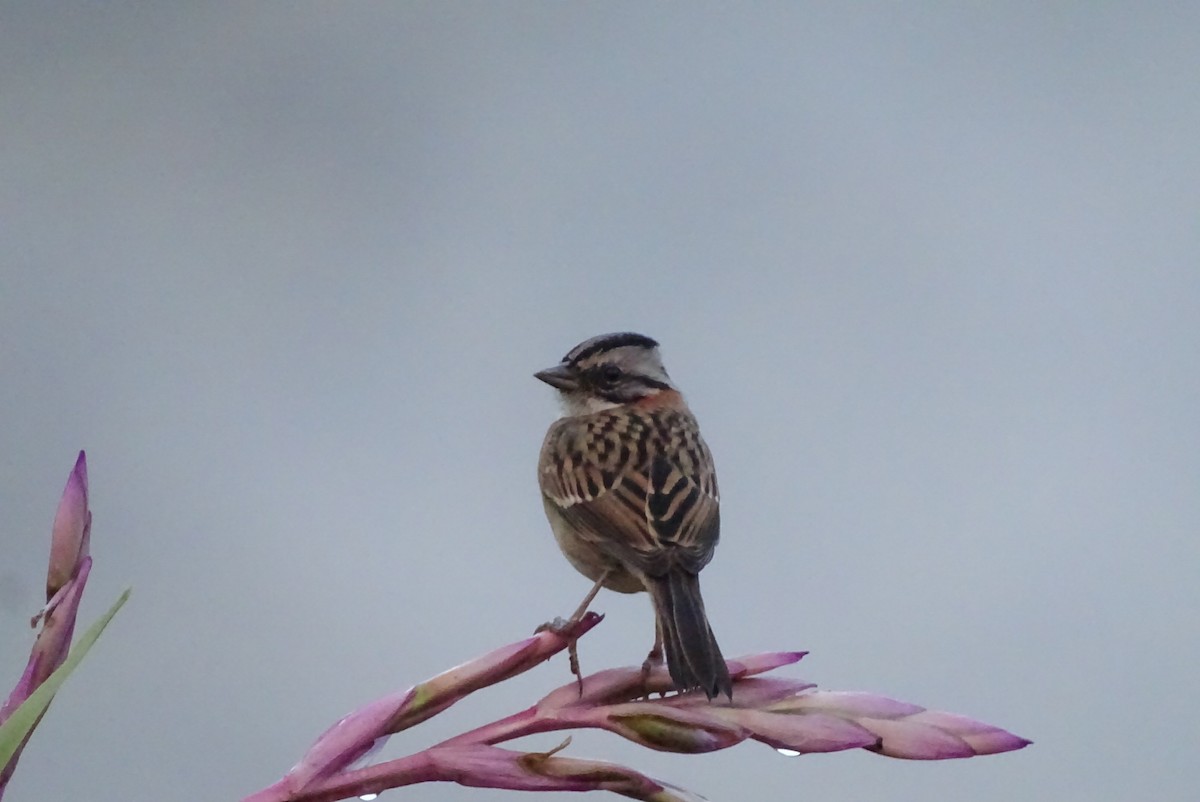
[{"x": 608, "y": 371}]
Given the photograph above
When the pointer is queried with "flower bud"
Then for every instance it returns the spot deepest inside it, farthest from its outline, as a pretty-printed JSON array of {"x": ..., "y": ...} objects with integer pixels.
[{"x": 72, "y": 526}]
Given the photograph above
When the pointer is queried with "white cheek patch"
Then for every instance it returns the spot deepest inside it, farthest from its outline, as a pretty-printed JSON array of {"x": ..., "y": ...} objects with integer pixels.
[
  {"x": 599, "y": 404},
  {"x": 579, "y": 404}
]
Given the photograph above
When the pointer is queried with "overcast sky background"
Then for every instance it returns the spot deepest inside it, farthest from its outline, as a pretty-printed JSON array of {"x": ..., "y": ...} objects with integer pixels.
[{"x": 929, "y": 276}]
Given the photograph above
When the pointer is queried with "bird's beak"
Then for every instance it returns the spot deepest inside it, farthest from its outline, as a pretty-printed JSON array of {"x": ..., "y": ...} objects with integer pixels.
[{"x": 561, "y": 377}]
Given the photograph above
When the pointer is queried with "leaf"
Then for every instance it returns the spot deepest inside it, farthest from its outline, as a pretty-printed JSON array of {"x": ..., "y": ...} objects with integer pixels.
[{"x": 16, "y": 729}]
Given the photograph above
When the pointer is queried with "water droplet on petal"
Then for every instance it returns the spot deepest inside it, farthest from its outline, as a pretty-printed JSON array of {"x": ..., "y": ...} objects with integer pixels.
[
  {"x": 368, "y": 797},
  {"x": 788, "y": 752}
]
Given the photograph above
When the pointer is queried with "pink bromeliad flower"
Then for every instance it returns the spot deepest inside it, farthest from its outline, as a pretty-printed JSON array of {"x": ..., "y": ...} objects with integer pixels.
[{"x": 789, "y": 715}]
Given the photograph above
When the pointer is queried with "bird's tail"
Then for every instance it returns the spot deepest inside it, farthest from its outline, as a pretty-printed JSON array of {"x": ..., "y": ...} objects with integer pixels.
[{"x": 693, "y": 657}]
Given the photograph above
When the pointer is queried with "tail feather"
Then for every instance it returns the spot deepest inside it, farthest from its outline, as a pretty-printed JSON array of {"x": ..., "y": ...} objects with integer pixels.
[{"x": 693, "y": 657}]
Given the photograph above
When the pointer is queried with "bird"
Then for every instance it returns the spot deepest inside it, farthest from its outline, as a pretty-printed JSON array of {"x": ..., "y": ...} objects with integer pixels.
[{"x": 630, "y": 491}]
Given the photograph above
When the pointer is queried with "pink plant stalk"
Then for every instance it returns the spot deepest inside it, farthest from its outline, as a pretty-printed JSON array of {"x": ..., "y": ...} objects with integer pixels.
[
  {"x": 787, "y": 714},
  {"x": 69, "y": 566}
]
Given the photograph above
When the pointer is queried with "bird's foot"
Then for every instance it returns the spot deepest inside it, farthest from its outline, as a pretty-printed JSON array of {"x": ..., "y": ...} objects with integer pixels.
[
  {"x": 565, "y": 627},
  {"x": 558, "y": 625},
  {"x": 653, "y": 660}
]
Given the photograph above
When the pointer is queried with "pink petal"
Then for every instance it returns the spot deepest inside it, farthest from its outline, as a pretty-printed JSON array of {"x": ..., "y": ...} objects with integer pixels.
[
  {"x": 53, "y": 642},
  {"x": 915, "y": 741},
  {"x": 761, "y": 663},
  {"x": 507, "y": 661},
  {"x": 995, "y": 742},
  {"x": 759, "y": 692},
  {"x": 810, "y": 732},
  {"x": 72, "y": 522},
  {"x": 984, "y": 738},
  {"x": 492, "y": 767},
  {"x": 854, "y": 704},
  {"x": 347, "y": 741},
  {"x": 613, "y": 683},
  {"x": 668, "y": 728}
]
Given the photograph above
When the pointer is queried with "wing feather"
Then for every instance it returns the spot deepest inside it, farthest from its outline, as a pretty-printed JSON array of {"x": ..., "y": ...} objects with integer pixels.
[{"x": 639, "y": 487}]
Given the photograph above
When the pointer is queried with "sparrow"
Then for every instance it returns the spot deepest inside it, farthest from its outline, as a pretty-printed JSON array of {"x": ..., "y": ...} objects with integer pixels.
[{"x": 630, "y": 491}]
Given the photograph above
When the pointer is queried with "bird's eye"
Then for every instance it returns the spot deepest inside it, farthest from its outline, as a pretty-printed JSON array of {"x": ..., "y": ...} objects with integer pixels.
[{"x": 610, "y": 374}]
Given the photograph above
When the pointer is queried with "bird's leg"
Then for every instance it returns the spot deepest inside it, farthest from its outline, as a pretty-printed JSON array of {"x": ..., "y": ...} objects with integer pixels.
[
  {"x": 562, "y": 627},
  {"x": 582, "y": 608},
  {"x": 573, "y": 646},
  {"x": 655, "y": 657}
]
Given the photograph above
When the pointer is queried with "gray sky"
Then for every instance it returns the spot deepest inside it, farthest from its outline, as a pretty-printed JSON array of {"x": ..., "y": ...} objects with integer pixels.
[{"x": 930, "y": 277}]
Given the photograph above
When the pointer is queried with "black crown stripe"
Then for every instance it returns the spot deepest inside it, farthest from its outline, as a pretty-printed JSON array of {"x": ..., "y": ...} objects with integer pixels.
[{"x": 607, "y": 342}]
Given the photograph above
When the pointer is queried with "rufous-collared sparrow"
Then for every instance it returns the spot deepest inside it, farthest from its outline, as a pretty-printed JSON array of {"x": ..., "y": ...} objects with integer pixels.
[{"x": 631, "y": 493}]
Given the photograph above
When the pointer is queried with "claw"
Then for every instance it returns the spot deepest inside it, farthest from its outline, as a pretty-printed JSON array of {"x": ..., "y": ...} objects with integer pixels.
[
  {"x": 565, "y": 628},
  {"x": 559, "y": 626},
  {"x": 573, "y": 657}
]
